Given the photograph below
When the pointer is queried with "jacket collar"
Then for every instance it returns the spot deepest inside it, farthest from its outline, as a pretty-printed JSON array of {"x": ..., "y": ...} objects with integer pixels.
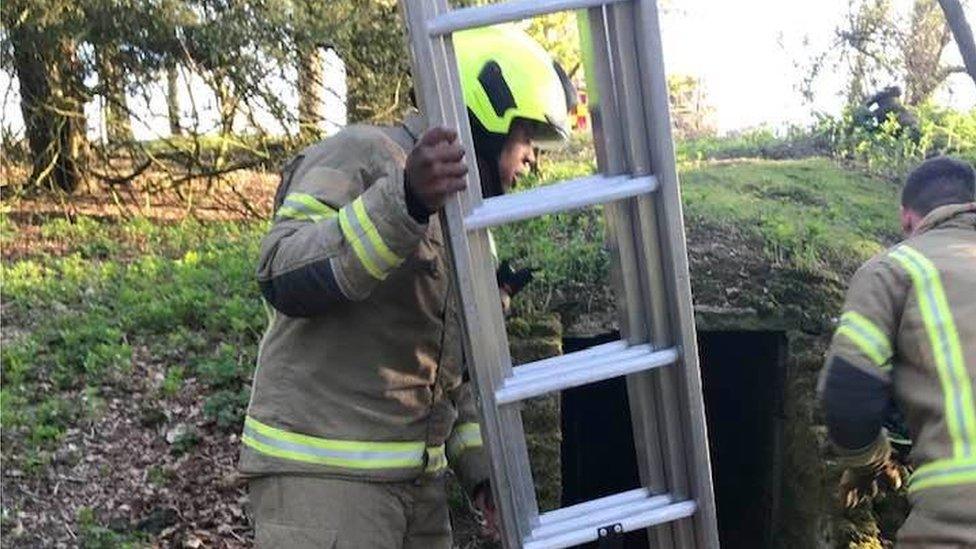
[{"x": 950, "y": 216}]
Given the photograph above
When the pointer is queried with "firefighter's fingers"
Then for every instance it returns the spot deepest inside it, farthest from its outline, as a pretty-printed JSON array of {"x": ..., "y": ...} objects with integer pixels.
[
  {"x": 449, "y": 170},
  {"x": 454, "y": 184},
  {"x": 437, "y": 134},
  {"x": 447, "y": 152}
]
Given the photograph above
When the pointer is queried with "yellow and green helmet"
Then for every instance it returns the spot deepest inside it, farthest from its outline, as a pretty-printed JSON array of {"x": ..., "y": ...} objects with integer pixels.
[{"x": 505, "y": 75}]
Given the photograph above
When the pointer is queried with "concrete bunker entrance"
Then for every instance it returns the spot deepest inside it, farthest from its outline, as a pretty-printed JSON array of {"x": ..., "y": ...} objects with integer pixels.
[{"x": 743, "y": 374}]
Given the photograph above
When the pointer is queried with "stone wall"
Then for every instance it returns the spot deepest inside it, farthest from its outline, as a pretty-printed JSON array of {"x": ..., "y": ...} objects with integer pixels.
[{"x": 534, "y": 339}]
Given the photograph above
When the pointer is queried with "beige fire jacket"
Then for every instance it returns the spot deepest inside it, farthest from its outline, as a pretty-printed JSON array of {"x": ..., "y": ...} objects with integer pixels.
[
  {"x": 360, "y": 372},
  {"x": 908, "y": 335}
]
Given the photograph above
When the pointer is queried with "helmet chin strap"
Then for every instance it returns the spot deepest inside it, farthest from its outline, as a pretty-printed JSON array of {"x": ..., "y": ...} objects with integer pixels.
[
  {"x": 491, "y": 181},
  {"x": 488, "y": 150}
]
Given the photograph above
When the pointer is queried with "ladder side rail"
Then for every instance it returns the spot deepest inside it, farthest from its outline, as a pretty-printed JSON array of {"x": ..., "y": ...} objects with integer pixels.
[
  {"x": 509, "y": 443},
  {"x": 610, "y": 147},
  {"x": 429, "y": 83},
  {"x": 651, "y": 397},
  {"x": 674, "y": 254},
  {"x": 650, "y": 237},
  {"x": 505, "y": 12},
  {"x": 609, "y": 144},
  {"x": 608, "y": 141}
]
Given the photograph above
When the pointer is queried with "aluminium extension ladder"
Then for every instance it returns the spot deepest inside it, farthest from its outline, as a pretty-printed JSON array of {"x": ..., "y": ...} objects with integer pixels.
[{"x": 638, "y": 185}]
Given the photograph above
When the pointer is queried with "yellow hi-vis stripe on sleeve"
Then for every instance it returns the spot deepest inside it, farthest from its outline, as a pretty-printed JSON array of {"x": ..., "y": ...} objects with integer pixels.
[
  {"x": 436, "y": 460},
  {"x": 310, "y": 203},
  {"x": 949, "y": 361},
  {"x": 350, "y": 454},
  {"x": 304, "y": 207},
  {"x": 944, "y": 472},
  {"x": 868, "y": 337},
  {"x": 391, "y": 259},
  {"x": 465, "y": 437},
  {"x": 366, "y": 241},
  {"x": 357, "y": 245}
]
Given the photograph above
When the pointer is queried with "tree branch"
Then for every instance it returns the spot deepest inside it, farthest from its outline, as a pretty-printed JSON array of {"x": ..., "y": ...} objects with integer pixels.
[{"x": 962, "y": 32}]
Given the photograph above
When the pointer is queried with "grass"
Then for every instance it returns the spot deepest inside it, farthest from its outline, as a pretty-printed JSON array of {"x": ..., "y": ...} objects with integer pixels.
[
  {"x": 811, "y": 214},
  {"x": 121, "y": 293}
]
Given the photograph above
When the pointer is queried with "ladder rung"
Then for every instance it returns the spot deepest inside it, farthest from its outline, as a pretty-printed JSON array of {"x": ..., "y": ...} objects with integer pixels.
[
  {"x": 591, "y": 352},
  {"x": 599, "y": 517},
  {"x": 583, "y": 526},
  {"x": 580, "y": 509},
  {"x": 513, "y": 10},
  {"x": 557, "y": 375},
  {"x": 572, "y": 364},
  {"x": 566, "y": 195}
]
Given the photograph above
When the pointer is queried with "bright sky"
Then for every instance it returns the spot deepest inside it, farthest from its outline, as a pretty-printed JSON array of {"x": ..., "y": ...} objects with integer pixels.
[{"x": 744, "y": 52}]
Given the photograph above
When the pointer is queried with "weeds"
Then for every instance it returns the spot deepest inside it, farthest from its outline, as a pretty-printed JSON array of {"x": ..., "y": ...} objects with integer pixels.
[{"x": 184, "y": 292}]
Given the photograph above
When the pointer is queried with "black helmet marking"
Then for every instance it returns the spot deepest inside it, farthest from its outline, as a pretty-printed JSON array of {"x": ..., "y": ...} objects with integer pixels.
[
  {"x": 569, "y": 90},
  {"x": 496, "y": 87}
]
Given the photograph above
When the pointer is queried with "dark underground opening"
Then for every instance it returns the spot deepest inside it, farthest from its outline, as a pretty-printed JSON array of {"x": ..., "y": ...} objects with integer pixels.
[{"x": 742, "y": 373}]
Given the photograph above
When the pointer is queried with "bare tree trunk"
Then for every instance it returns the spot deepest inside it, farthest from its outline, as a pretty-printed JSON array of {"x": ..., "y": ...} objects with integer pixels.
[
  {"x": 963, "y": 33},
  {"x": 53, "y": 119},
  {"x": 227, "y": 105},
  {"x": 310, "y": 84},
  {"x": 173, "y": 99},
  {"x": 922, "y": 51},
  {"x": 70, "y": 97},
  {"x": 855, "y": 88},
  {"x": 116, "y": 107}
]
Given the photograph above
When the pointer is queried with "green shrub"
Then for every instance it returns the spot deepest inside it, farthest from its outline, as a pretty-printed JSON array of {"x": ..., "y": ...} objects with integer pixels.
[
  {"x": 227, "y": 408},
  {"x": 228, "y": 368},
  {"x": 92, "y": 535},
  {"x": 890, "y": 150},
  {"x": 173, "y": 381}
]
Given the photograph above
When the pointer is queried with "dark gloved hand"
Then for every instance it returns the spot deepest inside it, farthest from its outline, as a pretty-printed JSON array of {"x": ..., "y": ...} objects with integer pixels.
[
  {"x": 434, "y": 171},
  {"x": 863, "y": 483},
  {"x": 512, "y": 281},
  {"x": 486, "y": 513},
  {"x": 898, "y": 435}
]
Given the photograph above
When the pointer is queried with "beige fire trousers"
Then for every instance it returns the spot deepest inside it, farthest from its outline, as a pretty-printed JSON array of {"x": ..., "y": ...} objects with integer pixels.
[
  {"x": 304, "y": 512},
  {"x": 941, "y": 518}
]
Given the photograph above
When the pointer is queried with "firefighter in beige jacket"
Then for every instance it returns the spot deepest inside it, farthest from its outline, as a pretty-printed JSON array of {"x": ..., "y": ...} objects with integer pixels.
[
  {"x": 908, "y": 336},
  {"x": 359, "y": 402}
]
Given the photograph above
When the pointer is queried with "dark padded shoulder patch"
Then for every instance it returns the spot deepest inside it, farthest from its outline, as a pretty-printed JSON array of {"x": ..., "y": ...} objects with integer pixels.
[
  {"x": 493, "y": 81},
  {"x": 856, "y": 404},
  {"x": 305, "y": 292}
]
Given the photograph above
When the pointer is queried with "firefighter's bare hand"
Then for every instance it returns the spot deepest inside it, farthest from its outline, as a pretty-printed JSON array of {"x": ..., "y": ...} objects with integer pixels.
[
  {"x": 485, "y": 506},
  {"x": 435, "y": 168},
  {"x": 857, "y": 485}
]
